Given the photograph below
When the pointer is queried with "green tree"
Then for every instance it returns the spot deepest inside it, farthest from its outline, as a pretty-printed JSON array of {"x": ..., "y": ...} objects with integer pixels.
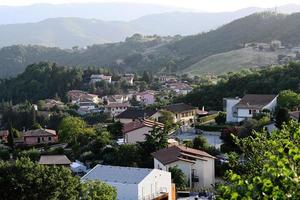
[
  {"x": 282, "y": 116},
  {"x": 115, "y": 129},
  {"x": 167, "y": 119},
  {"x": 178, "y": 177},
  {"x": 71, "y": 129},
  {"x": 270, "y": 167},
  {"x": 96, "y": 190},
  {"x": 25, "y": 179},
  {"x": 289, "y": 99},
  {"x": 200, "y": 143},
  {"x": 221, "y": 118}
]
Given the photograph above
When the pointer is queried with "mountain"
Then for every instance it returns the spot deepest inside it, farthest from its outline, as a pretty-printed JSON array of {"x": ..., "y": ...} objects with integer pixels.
[
  {"x": 66, "y": 32},
  {"x": 104, "y": 11},
  {"x": 162, "y": 54}
]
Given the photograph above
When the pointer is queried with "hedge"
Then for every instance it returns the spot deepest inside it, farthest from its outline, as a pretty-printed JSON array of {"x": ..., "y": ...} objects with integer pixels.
[
  {"x": 211, "y": 127},
  {"x": 207, "y": 118}
]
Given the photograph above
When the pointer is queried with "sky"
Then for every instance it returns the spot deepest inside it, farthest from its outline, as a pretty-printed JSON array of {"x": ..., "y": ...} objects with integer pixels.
[{"x": 203, "y": 5}]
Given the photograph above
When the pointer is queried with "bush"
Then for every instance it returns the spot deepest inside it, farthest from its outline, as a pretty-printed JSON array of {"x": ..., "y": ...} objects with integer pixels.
[
  {"x": 221, "y": 118},
  {"x": 207, "y": 118}
]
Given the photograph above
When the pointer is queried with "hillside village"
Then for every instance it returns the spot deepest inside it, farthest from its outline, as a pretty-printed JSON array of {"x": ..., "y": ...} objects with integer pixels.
[
  {"x": 145, "y": 129},
  {"x": 161, "y": 116}
]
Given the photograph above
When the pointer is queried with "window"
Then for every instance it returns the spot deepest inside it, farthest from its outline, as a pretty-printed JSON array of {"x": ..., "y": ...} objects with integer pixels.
[
  {"x": 39, "y": 140},
  {"x": 49, "y": 138},
  {"x": 250, "y": 112}
]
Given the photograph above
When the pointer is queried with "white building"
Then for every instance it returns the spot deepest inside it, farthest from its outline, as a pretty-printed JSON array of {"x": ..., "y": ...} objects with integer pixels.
[
  {"x": 100, "y": 77},
  {"x": 136, "y": 131},
  {"x": 198, "y": 166},
  {"x": 78, "y": 167},
  {"x": 116, "y": 108},
  {"x": 134, "y": 183},
  {"x": 238, "y": 110}
]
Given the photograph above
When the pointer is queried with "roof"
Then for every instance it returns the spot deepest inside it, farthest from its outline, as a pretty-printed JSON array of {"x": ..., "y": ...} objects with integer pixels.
[
  {"x": 255, "y": 101},
  {"x": 294, "y": 115},
  {"x": 179, "y": 107},
  {"x": 80, "y": 95},
  {"x": 140, "y": 124},
  {"x": 115, "y": 174},
  {"x": 116, "y": 105},
  {"x": 136, "y": 113},
  {"x": 176, "y": 153},
  {"x": 39, "y": 132},
  {"x": 180, "y": 86},
  {"x": 54, "y": 160}
]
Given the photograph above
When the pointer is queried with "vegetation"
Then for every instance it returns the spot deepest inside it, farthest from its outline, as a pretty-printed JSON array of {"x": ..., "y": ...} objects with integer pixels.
[
  {"x": 178, "y": 177},
  {"x": 270, "y": 80},
  {"x": 289, "y": 99},
  {"x": 270, "y": 167},
  {"x": 25, "y": 179},
  {"x": 159, "y": 54}
]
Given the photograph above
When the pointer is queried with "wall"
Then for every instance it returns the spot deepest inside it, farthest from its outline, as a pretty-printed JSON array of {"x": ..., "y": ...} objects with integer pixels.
[
  {"x": 157, "y": 181},
  {"x": 137, "y": 135},
  {"x": 272, "y": 105},
  {"x": 205, "y": 170},
  {"x": 185, "y": 167},
  {"x": 125, "y": 191},
  {"x": 159, "y": 165},
  {"x": 229, "y": 104}
]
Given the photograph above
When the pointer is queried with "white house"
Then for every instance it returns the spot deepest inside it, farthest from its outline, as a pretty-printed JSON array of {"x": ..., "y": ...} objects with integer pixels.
[
  {"x": 128, "y": 78},
  {"x": 78, "y": 96},
  {"x": 238, "y": 110},
  {"x": 134, "y": 183},
  {"x": 116, "y": 108},
  {"x": 78, "y": 167},
  {"x": 135, "y": 131},
  {"x": 146, "y": 97},
  {"x": 100, "y": 77},
  {"x": 198, "y": 166}
]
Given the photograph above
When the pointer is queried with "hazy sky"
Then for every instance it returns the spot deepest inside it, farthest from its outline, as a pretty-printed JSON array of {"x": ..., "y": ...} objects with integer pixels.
[{"x": 204, "y": 5}]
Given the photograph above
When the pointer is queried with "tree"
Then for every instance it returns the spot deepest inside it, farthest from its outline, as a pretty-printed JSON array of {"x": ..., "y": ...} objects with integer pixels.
[
  {"x": 221, "y": 118},
  {"x": 73, "y": 128},
  {"x": 25, "y": 179},
  {"x": 270, "y": 167},
  {"x": 115, "y": 129},
  {"x": 289, "y": 99},
  {"x": 178, "y": 177},
  {"x": 282, "y": 116},
  {"x": 167, "y": 119},
  {"x": 96, "y": 190},
  {"x": 200, "y": 143}
]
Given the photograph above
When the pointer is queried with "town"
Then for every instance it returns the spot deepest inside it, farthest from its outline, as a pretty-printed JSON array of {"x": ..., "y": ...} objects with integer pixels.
[{"x": 129, "y": 136}]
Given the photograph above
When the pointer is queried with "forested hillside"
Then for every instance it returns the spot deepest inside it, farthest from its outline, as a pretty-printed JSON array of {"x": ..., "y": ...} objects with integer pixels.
[
  {"x": 160, "y": 54},
  {"x": 263, "y": 81}
]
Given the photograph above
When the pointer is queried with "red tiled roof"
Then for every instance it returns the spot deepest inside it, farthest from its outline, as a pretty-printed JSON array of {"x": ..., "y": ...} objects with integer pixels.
[
  {"x": 140, "y": 124},
  {"x": 39, "y": 132},
  {"x": 175, "y": 153}
]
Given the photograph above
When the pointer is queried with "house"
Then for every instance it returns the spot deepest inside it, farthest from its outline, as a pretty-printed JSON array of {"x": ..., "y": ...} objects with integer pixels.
[
  {"x": 128, "y": 78},
  {"x": 136, "y": 131},
  {"x": 39, "y": 136},
  {"x": 51, "y": 103},
  {"x": 182, "y": 113},
  {"x": 115, "y": 109},
  {"x": 294, "y": 115},
  {"x": 179, "y": 88},
  {"x": 146, "y": 97},
  {"x": 4, "y": 136},
  {"x": 198, "y": 166},
  {"x": 166, "y": 79},
  {"x": 134, "y": 183},
  {"x": 132, "y": 114},
  {"x": 100, "y": 77},
  {"x": 55, "y": 160},
  {"x": 240, "y": 109},
  {"x": 78, "y": 96},
  {"x": 115, "y": 99}
]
